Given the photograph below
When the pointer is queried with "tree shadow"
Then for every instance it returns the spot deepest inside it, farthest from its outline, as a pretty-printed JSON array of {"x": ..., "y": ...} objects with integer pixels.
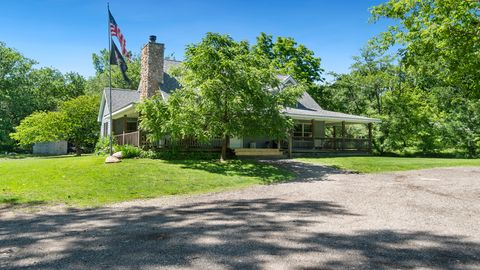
[
  {"x": 7, "y": 202},
  {"x": 389, "y": 249},
  {"x": 37, "y": 156},
  {"x": 306, "y": 172},
  {"x": 271, "y": 171},
  {"x": 236, "y": 234},
  {"x": 268, "y": 173}
]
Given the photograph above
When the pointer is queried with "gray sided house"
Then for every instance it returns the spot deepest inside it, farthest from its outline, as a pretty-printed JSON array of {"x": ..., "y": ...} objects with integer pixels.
[{"x": 316, "y": 129}]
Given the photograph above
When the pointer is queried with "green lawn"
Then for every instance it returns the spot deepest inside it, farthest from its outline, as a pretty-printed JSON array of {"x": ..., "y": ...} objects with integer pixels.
[
  {"x": 386, "y": 164},
  {"x": 87, "y": 181}
]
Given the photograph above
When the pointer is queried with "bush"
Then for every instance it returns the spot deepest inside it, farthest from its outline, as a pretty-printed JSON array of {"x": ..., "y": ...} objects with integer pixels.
[
  {"x": 103, "y": 146},
  {"x": 129, "y": 151}
]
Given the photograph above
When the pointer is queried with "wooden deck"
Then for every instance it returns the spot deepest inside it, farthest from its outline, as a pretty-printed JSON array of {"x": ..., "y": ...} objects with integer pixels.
[{"x": 270, "y": 152}]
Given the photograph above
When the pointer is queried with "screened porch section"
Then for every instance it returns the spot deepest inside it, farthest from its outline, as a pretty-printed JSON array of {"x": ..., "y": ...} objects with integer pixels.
[
  {"x": 125, "y": 131},
  {"x": 314, "y": 136}
]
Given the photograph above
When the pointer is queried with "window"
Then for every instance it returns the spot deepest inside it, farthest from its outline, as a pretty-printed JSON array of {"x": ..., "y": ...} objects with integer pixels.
[
  {"x": 307, "y": 130},
  {"x": 303, "y": 130},
  {"x": 298, "y": 131},
  {"x": 131, "y": 126}
]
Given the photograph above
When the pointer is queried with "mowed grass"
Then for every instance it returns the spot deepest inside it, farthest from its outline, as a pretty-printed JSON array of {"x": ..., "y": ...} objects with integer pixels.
[
  {"x": 374, "y": 164},
  {"x": 87, "y": 181}
]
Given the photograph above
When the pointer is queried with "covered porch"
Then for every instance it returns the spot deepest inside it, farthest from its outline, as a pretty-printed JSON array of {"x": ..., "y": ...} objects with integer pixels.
[
  {"x": 318, "y": 131},
  {"x": 327, "y": 131},
  {"x": 125, "y": 127},
  {"x": 321, "y": 136}
]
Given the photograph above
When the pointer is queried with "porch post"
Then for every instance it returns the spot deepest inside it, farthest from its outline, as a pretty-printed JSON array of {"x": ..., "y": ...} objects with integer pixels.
[
  {"x": 313, "y": 134},
  {"x": 290, "y": 145},
  {"x": 124, "y": 123},
  {"x": 138, "y": 138},
  {"x": 370, "y": 137},
  {"x": 334, "y": 137},
  {"x": 123, "y": 137},
  {"x": 343, "y": 135}
]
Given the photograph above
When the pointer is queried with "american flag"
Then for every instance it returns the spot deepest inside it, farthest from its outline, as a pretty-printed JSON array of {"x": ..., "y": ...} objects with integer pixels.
[{"x": 115, "y": 32}]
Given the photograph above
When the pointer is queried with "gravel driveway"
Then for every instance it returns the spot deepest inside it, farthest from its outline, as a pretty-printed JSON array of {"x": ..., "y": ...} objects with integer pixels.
[{"x": 327, "y": 219}]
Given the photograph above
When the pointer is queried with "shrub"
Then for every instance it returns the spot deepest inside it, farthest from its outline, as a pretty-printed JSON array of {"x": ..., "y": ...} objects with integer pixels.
[
  {"x": 103, "y": 146},
  {"x": 129, "y": 151}
]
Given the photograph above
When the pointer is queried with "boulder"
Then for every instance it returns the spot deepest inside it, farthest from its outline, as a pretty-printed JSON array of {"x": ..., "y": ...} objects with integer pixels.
[
  {"x": 112, "y": 159},
  {"x": 118, "y": 155}
]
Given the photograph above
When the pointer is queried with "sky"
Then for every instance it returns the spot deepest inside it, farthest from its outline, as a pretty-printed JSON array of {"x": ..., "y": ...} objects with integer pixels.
[{"x": 64, "y": 34}]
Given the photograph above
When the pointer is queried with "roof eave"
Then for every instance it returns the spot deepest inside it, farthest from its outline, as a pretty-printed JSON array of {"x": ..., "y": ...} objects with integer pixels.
[
  {"x": 333, "y": 118},
  {"x": 102, "y": 107}
]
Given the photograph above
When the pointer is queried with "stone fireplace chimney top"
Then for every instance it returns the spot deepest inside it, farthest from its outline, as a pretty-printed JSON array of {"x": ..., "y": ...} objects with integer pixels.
[{"x": 151, "y": 72}]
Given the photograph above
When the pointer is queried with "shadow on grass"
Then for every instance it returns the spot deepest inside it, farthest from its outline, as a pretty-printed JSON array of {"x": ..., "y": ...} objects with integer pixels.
[
  {"x": 266, "y": 172},
  {"x": 270, "y": 171},
  {"x": 26, "y": 156},
  {"x": 7, "y": 202},
  {"x": 231, "y": 234}
]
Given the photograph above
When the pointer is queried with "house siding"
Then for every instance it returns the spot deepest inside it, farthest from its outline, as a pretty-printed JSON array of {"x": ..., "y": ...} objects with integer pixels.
[{"x": 105, "y": 122}]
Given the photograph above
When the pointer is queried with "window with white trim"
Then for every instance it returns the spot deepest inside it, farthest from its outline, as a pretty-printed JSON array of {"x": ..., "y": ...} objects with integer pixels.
[{"x": 303, "y": 130}]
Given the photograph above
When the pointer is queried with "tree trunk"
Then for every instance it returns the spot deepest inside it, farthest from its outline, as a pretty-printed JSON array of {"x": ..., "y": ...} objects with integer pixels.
[
  {"x": 78, "y": 151},
  {"x": 223, "y": 155}
]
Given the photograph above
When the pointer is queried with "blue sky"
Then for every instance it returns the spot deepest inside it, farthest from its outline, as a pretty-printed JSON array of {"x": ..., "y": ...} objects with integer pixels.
[{"x": 64, "y": 34}]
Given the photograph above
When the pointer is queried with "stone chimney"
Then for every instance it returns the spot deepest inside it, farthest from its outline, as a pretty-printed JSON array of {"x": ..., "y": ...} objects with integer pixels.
[{"x": 151, "y": 73}]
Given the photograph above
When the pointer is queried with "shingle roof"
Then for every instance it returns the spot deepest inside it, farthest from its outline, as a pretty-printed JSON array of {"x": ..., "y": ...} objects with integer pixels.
[
  {"x": 169, "y": 82},
  {"x": 120, "y": 98},
  {"x": 328, "y": 115},
  {"x": 124, "y": 97},
  {"x": 307, "y": 102}
]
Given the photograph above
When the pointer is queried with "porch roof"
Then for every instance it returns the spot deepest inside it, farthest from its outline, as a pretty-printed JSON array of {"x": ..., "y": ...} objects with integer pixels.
[{"x": 329, "y": 116}]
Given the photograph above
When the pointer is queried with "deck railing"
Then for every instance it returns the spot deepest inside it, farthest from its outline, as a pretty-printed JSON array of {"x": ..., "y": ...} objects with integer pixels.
[
  {"x": 132, "y": 138},
  {"x": 298, "y": 143},
  {"x": 192, "y": 143},
  {"x": 316, "y": 143}
]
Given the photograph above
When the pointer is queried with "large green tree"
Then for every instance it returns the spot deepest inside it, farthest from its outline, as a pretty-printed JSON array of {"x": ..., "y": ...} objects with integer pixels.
[
  {"x": 227, "y": 90},
  {"x": 15, "y": 92},
  {"x": 438, "y": 37},
  {"x": 290, "y": 58},
  {"x": 439, "y": 48},
  {"x": 75, "y": 121},
  {"x": 24, "y": 89}
]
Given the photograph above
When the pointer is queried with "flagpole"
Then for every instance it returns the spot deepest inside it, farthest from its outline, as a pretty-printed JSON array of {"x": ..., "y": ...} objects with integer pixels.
[{"x": 110, "y": 78}]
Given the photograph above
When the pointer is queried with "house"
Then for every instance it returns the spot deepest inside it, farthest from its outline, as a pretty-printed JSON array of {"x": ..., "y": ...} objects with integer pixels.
[{"x": 316, "y": 129}]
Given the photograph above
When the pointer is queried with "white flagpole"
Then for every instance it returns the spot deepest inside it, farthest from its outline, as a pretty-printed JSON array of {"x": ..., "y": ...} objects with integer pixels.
[{"x": 110, "y": 80}]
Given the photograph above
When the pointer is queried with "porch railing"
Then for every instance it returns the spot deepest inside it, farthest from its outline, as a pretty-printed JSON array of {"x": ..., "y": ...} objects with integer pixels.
[
  {"x": 192, "y": 143},
  {"x": 132, "y": 138},
  {"x": 316, "y": 143}
]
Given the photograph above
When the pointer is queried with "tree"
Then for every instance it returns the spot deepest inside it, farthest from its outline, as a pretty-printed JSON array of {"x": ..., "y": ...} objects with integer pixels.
[
  {"x": 41, "y": 127},
  {"x": 15, "y": 93},
  {"x": 290, "y": 58},
  {"x": 24, "y": 89},
  {"x": 81, "y": 118},
  {"x": 438, "y": 37},
  {"x": 75, "y": 121},
  {"x": 227, "y": 90},
  {"x": 378, "y": 87},
  {"x": 439, "y": 49},
  {"x": 97, "y": 83},
  {"x": 50, "y": 87}
]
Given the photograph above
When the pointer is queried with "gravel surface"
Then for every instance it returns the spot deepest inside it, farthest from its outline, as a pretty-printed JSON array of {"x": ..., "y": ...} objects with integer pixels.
[{"x": 327, "y": 219}]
